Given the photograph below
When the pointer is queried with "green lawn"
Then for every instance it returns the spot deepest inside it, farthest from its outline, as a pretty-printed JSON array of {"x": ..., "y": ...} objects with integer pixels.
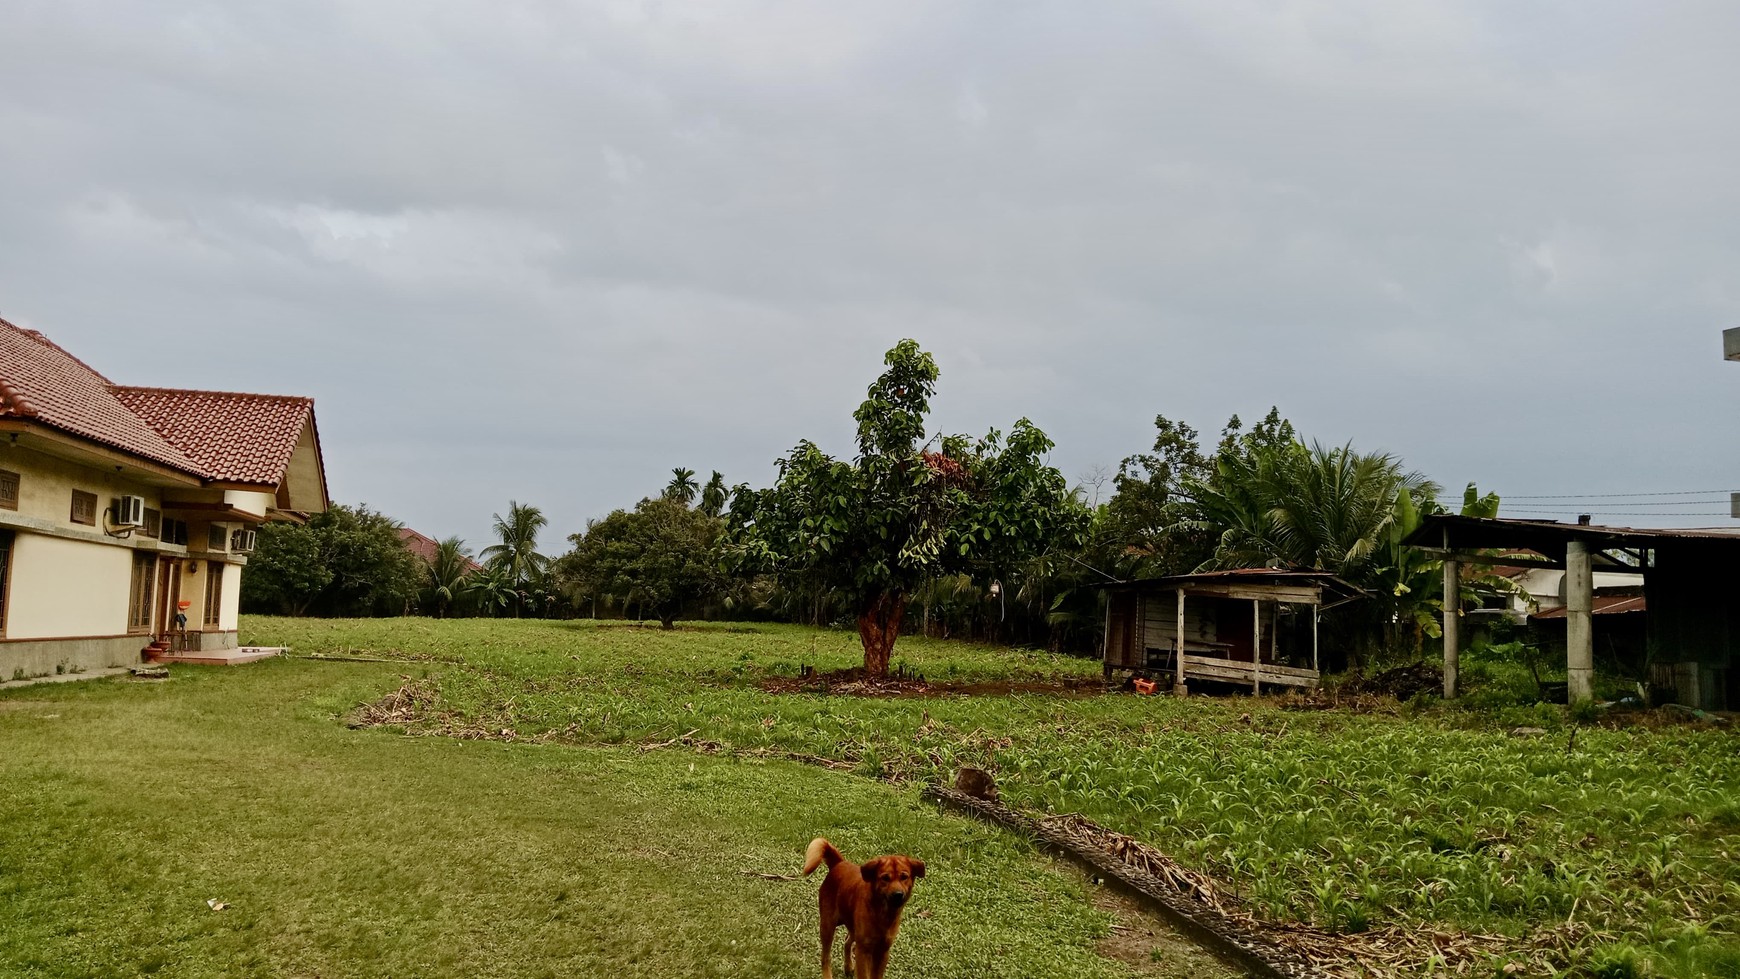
[
  {"x": 1614, "y": 849},
  {"x": 127, "y": 805}
]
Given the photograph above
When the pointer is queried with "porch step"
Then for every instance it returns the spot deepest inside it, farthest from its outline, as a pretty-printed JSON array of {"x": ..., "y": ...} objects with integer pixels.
[{"x": 220, "y": 657}]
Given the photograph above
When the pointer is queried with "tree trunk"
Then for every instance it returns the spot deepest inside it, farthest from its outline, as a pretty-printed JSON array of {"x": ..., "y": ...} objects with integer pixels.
[
  {"x": 878, "y": 627},
  {"x": 667, "y": 621}
]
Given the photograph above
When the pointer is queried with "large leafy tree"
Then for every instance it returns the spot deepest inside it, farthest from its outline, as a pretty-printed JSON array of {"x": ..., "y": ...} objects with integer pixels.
[
  {"x": 659, "y": 556},
  {"x": 287, "y": 572},
  {"x": 906, "y": 509},
  {"x": 346, "y": 561},
  {"x": 1144, "y": 529},
  {"x": 516, "y": 555}
]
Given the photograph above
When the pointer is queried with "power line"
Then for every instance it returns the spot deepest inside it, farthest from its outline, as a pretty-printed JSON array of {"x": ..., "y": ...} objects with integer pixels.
[
  {"x": 1615, "y": 496},
  {"x": 1617, "y": 513},
  {"x": 1622, "y": 503}
]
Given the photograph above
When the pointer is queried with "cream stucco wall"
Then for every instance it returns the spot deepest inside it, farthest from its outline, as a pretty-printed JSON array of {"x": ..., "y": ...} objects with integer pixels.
[
  {"x": 46, "y": 484},
  {"x": 229, "y": 611},
  {"x": 64, "y": 588},
  {"x": 249, "y": 502}
]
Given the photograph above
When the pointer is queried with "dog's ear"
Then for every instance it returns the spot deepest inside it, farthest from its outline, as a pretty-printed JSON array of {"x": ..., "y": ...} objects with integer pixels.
[
  {"x": 917, "y": 868},
  {"x": 870, "y": 870}
]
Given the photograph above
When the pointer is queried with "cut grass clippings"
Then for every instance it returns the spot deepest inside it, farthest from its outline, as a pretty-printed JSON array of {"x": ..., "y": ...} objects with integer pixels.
[{"x": 1591, "y": 844}]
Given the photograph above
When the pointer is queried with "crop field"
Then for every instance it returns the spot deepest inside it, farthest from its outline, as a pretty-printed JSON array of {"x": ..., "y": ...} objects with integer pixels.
[{"x": 1610, "y": 849}]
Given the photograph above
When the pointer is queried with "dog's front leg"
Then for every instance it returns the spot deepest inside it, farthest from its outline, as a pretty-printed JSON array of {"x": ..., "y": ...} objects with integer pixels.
[
  {"x": 851, "y": 957},
  {"x": 872, "y": 963}
]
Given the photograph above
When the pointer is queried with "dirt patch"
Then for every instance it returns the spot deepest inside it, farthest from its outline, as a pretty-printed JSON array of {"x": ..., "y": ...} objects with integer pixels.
[
  {"x": 1146, "y": 944},
  {"x": 655, "y": 627},
  {"x": 857, "y": 683}
]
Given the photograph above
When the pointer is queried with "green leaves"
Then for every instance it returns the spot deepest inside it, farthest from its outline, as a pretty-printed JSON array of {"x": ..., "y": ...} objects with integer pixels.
[{"x": 905, "y": 510}]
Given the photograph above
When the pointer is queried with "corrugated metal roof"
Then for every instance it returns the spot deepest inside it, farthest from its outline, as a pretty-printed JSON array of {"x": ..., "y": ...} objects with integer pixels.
[
  {"x": 1604, "y": 605},
  {"x": 1274, "y": 576},
  {"x": 1548, "y": 536}
]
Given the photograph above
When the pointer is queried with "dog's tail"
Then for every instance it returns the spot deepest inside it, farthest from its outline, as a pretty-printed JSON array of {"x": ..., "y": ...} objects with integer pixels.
[{"x": 820, "y": 852}]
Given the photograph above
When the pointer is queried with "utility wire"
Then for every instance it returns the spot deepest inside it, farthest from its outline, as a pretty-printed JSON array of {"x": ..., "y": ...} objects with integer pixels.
[
  {"x": 1626, "y": 503},
  {"x": 1614, "y": 496},
  {"x": 1621, "y": 513}
]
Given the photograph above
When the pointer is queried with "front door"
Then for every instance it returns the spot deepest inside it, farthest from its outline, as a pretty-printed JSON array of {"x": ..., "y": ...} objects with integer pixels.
[{"x": 168, "y": 597}]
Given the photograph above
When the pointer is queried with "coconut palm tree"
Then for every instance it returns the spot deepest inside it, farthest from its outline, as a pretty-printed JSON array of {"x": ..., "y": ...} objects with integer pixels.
[
  {"x": 682, "y": 486},
  {"x": 714, "y": 495},
  {"x": 517, "y": 555},
  {"x": 448, "y": 572},
  {"x": 491, "y": 589},
  {"x": 1299, "y": 506}
]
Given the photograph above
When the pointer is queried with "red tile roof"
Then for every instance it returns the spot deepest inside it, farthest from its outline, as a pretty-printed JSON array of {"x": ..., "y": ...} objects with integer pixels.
[
  {"x": 426, "y": 547},
  {"x": 418, "y": 544},
  {"x": 42, "y": 382},
  {"x": 243, "y": 438}
]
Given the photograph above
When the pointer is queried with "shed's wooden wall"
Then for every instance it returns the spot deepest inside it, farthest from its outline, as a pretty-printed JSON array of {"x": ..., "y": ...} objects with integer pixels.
[{"x": 1128, "y": 638}]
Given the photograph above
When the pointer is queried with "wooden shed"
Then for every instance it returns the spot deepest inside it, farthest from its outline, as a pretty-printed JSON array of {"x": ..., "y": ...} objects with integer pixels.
[{"x": 1255, "y": 626}]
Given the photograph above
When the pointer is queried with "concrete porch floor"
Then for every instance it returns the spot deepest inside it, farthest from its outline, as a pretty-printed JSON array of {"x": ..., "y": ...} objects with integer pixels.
[{"x": 220, "y": 657}]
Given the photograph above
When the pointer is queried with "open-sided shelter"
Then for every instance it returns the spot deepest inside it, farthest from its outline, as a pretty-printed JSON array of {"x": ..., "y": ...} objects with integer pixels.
[
  {"x": 1255, "y": 626},
  {"x": 1691, "y": 585}
]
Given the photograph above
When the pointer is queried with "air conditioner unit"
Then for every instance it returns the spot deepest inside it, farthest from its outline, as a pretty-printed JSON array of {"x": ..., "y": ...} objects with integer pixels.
[
  {"x": 127, "y": 511},
  {"x": 242, "y": 541}
]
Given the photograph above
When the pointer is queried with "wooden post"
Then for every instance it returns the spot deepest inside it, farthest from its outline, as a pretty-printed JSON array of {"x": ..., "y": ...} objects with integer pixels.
[
  {"x": 1105, "y": 643},
  {"x": 1314, "y": 667},
  {"x": 1579, "y": 632},
  {"x": 1452, "y": 622},
  {"x": 1256, "y": 646},
  {"x": 1275, "y": 632},
  {"x": 1178, "y": 682}
]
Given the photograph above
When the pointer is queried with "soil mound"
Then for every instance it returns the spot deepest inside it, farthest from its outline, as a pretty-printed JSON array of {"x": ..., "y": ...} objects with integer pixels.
[{"x": 856, "y": 682}]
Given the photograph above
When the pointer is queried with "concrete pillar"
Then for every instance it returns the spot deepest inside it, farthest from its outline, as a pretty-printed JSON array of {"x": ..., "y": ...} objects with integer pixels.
[
  {"x": 1452, "y": 623},
  {"x": 1579, "y": 630}
]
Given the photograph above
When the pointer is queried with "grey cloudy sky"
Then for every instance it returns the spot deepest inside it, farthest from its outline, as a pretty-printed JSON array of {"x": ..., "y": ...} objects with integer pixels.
[{"x": 547, "y": 251}]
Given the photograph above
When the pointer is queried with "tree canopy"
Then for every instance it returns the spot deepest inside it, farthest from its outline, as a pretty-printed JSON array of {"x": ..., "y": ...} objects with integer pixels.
[
  {"x": 660, "y": 555},
  {"x": 345, "y": 561},
  {"x": 905, "y": 509}
]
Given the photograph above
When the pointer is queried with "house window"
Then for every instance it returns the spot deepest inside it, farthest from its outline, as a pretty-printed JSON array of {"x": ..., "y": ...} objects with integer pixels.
[
  {"x": 8, "y": 490},
  {"x": 216, "y": 539},
  {"x": 153, "y": 523},
  {"x": 139, "y": 596},
  {"x": 84, "y": 508},
  {"x": 5, "y": 574},
  {"x": 174, "y": 531},
  {"x": 214, "y": 591}
]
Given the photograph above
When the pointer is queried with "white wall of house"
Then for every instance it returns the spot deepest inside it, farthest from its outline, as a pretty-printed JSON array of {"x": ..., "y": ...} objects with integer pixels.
[
  {"x": 67, "y": 588},
  {"x": 229, "y": 611},
  {"x": 250, "y": 502},
  {"x": 1547, "y": 587}
]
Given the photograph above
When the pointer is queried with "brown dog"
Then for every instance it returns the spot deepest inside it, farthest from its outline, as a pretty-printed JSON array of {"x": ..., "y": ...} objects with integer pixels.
[{"x": 866, "y": 899}]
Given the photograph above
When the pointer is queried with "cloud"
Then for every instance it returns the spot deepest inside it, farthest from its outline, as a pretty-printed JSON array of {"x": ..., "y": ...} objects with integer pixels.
[{"x": 548, "y": 251}]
